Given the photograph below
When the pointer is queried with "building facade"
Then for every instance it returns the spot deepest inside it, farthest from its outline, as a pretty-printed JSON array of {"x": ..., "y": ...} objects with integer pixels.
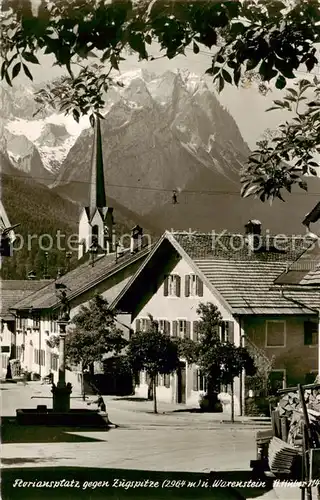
[{"x": 185, "y": 270}]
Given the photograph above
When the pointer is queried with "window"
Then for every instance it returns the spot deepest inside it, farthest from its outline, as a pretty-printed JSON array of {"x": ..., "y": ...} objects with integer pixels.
[
  {"x": 310, "y": 333},
  {"x": 199, "y": 381},
  {"x": 39, "y": 357},
  {"x": 143, "y": 324},
  {"x": 196, "y": 332},
  {"x": 21, "y": 323},
  {"x": 53, "y": 324},
  {"x": 227, "y": 331},
  {"x": 277, "y": 379},
  {"x": 181, "y": 328},
  {"x": 5, "y": 348},
  {"x": 54, "y": 362},
  {"x": 172, "y": 286},
  {"x": 164, "y": 326},
  {"x": 36, "y": 321},
  {"x": 193, "y": 286},
  {"x": 275, "y": 333}
]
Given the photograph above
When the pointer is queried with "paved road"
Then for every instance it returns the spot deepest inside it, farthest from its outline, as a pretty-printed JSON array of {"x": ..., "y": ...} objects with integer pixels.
[
  {"x": 172, "y": 441},
  {"x": 182, "y": 444}
]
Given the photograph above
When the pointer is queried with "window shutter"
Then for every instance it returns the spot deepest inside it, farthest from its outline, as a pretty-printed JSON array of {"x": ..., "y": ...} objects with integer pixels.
[
  {"x": 167, "y": 327},
  {"x": 187, "y": 285},
  {"x": 138, "y": 325},
  {"x": 178, "y": 286},
  {"x": 217, "y": 330},
  {"x": 230, "y": 326},
  {"x": 195, "y": 380},
  {"x": 174, "y": 328},
  {"x": 196, "y": 331},
  {"x": 166, "y": 286},
  {"x": 199, "y": 287},
  {"x": 188, "y": 330},
  {"x": 308, "y": 333},
  {"x": 167, "y": 380}
]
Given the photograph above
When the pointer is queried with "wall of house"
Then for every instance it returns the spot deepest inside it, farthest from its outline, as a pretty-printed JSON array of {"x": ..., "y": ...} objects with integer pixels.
[
  {"x": 31, "y": 340},
  {"x": 109, "y": 289},
  {"x": 168, "y": 308},
  {"x": 7, "y": 341},
  {"x": 296, "y": 358}
]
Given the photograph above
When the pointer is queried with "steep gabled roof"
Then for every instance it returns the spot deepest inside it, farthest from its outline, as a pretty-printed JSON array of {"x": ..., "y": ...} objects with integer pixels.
[
  {"x": 13, "y": 290},
  {"x": 241, "y": 279},
  {"x": 81, "y": 279}
]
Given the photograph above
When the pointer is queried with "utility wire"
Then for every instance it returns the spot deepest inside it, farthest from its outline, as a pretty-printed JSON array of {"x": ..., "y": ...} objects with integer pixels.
[{"x": 155, "y": 189}]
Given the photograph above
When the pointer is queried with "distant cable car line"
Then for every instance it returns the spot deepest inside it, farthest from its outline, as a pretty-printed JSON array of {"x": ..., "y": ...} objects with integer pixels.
[{"x": 162, "y": 190}]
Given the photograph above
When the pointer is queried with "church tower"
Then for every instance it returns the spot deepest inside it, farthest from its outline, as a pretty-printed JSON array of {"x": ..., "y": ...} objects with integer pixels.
[{"x": 96, "y": 221}]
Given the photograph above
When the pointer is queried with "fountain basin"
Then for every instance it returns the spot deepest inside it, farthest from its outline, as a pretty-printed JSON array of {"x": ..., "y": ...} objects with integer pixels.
[{"x": 73, "y": 418}]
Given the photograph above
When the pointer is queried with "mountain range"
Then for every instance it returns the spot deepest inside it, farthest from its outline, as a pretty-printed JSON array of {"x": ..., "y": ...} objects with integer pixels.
[{"x": 160, "y": 133}]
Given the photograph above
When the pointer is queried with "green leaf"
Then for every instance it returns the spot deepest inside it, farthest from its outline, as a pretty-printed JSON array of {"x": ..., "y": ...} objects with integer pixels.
[
  {"x": 3, "y": 69},
  {"x": 303, "y": 185},
  {"x": 28, "y": 56},
  {"x": 92, "y": 120},
  {"x": 221, "y": 84},
  {"x": 7, "y": 78},
  {"x": 76, "y": 115},
  {"x": 281, "y": 82},
  {"x": 237, "y": 76},
  {"x": 16, "y": 70},
  {"x": 114, "y": 62},
  {"x": 196, "y": 49},
  {"x": 313, "y": 171},
  {"x": 226, "y": 76},
  {"x": 27, "y": 72}
]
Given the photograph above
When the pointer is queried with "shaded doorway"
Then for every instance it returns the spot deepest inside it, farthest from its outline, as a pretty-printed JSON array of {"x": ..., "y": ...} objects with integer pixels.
[{"x": 181, "y": 383}]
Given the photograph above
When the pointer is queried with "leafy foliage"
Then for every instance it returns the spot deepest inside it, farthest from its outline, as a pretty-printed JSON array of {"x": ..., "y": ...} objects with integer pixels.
[
  {"x": 267, "y": 36},
  {"x": 153, "y": 352},
  {"x": 220, "y": 361},
  {"x": 187, "y": 349},
  {"x": 259, "y": 381},
  {"x": 284, "y": 158},
  {"x": 94, "y": 334}
]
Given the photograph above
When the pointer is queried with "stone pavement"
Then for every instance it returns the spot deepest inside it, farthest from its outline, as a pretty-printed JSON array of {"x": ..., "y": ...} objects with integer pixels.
[{"x": 172, "y": 441}]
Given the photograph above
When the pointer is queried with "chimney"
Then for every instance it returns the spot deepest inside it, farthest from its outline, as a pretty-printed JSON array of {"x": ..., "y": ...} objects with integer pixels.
[
  {"x": 136, "y": 239},
  {"x": 253, "y": 234}
]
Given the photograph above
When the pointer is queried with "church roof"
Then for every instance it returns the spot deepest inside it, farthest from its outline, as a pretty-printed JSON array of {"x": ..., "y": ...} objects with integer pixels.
[{"x": 97, "y": 186}]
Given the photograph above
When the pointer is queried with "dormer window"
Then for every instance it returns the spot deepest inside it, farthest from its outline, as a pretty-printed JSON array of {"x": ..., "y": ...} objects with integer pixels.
[{"x": 172, "y": 285}]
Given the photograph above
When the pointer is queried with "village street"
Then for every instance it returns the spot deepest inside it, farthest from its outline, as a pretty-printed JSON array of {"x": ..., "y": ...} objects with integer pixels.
[
  {"x": 175, "y": 444},
  {"x": 173, "y": 441}
]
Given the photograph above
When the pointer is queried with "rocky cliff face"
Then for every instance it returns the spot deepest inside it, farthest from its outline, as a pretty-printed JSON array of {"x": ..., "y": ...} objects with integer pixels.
[
  {"x": 37, "y": 143},
  {"x": 159, "y": 134}
]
